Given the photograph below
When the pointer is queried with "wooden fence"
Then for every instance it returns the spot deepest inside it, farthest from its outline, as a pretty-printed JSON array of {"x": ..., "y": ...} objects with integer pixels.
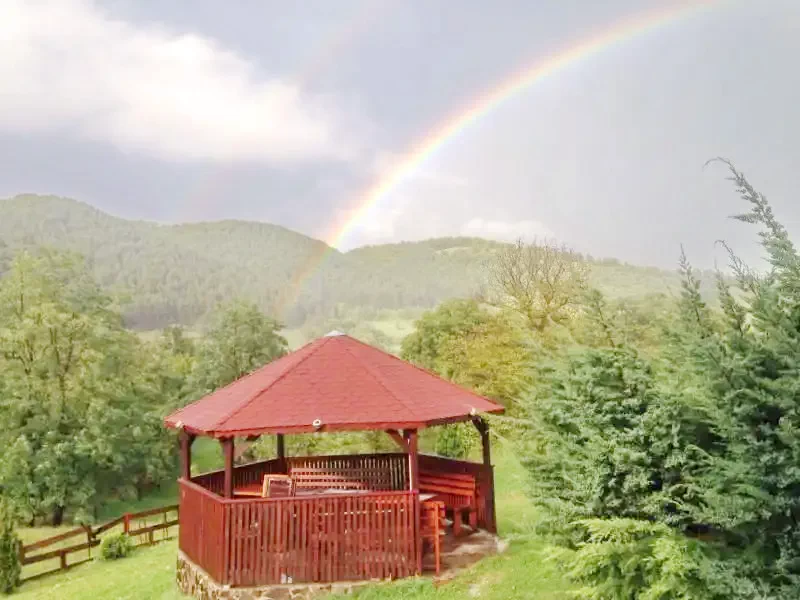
[
  {"x": 75, "y": 546},
  {"x": 332, "y": 537}
]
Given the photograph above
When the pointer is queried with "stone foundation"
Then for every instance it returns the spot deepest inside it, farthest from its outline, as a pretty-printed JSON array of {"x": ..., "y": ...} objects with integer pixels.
[
  {"x": 457, "y": 554},
  {"x": 194, "y": 581}
]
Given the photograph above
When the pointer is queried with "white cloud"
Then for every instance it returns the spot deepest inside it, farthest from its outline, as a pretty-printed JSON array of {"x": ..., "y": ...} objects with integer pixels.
[
  {"x": 65, "y": 66},
  {"x": 505, "y": 231}
]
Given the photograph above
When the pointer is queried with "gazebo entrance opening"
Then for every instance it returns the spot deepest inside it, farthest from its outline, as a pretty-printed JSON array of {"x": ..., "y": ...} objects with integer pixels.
[{"x": 329, "y": 518}]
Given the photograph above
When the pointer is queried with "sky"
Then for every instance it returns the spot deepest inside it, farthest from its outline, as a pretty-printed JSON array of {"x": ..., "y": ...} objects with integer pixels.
[{"x": 296, "y": 113}]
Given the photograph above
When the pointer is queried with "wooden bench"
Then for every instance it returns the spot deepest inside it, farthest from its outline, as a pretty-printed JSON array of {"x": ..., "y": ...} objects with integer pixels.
[
  {"x": 457, "y": 491},
  {"x": 339, "y": 478}
]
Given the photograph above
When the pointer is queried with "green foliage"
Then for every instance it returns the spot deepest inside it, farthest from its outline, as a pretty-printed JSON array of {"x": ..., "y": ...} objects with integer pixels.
[
  {"x": 473, "y": 347},
  {"x": 241, "y": 339},
  {"x": 625, "y": 559},
  {"x": 699, "y": 437},
  {"x": 609, "y": 442},
  {"x": 456, "y": 441},
  {"x": 541, "y": 282},
  {"x": 114, "y": 546},
  {"x": 82, "y": 401},
  {"x": 749, "y": 368},
  {"x": 10, "y": 544},
  {"x": 179, "y": 274}
]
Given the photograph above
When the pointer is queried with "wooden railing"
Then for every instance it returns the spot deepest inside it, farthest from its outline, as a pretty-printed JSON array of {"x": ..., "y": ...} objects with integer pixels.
[
  {"x": 382, "y": 472},
  {"x": 321, "y": 539},
  {"x": 242, "y": 475},
  {"x": 69, "y": 550},
  {"x": 379, "y": 472},
  {"x": 203, "y": 536},
  {"x": 333, "y": 537}
]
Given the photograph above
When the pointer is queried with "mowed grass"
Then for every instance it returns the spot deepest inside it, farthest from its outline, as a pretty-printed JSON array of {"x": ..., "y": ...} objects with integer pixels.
[
  {"x": 147, "y": 574},
  {"x": 522, "y": 572}
]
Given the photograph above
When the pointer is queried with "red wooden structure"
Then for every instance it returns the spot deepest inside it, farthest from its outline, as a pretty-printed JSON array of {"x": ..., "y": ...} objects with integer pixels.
[{"x": 346, "y": 517}]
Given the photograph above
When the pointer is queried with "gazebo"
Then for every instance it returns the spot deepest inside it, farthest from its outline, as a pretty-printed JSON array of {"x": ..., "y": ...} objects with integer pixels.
[{"x": 343, "y": 518}]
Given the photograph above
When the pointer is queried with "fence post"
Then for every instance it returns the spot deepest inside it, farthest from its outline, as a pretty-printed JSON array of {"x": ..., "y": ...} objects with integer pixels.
[
  {"x": 88, "y": 529},
  {"x": 126, "y": 523}
]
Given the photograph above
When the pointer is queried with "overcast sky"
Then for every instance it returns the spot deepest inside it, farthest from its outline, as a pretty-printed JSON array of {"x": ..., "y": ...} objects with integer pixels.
[{"x": 289, "y": 112}]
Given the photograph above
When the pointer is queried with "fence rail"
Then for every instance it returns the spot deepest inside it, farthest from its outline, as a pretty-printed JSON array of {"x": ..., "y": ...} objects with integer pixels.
[{"x": 140, "y": 526}]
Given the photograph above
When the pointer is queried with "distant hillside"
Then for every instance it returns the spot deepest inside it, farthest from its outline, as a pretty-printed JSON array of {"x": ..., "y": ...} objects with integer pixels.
[{"x": 177, "y": 273}]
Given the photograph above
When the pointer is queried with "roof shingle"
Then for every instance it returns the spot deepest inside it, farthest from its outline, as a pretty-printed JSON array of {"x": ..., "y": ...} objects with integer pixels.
[{"x": 339, "y": 381}]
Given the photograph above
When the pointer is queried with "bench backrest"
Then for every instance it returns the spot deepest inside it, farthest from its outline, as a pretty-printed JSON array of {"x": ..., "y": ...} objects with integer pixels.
[
  {"x": 339, "y": 478},
  {"x": 456, "y": 489}
]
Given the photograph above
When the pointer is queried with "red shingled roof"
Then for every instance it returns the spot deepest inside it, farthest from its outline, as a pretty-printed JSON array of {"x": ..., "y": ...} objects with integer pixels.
[{"x": 343, "y": 383}]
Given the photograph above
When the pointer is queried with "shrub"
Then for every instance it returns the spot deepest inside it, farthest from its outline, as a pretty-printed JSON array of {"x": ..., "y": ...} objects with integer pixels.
[
  {"x": 10, "y": 567},
  {"x": 628, "y": 559},
  {"x": 116, "y": 546}
]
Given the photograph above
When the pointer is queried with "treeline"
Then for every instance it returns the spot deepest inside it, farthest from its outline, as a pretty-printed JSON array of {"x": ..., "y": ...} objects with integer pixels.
[
  {"x": 177, "y": 274},
  {"x": 82, "y": 398},
  {"x": 662, "y": 439}
]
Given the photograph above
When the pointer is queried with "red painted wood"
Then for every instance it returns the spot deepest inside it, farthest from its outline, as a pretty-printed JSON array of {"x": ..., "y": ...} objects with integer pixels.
[
  {"x": 308, "y": 539},
  {"x": 484, "y": 483},
  {"x": 343, "y": 383},
  {"x": 322, "y": 537},
  {"x": 202, "y": 528}
]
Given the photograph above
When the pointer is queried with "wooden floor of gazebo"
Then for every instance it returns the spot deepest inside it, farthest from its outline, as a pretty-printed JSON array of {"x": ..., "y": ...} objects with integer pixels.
[{"x": 328, "y": 531}]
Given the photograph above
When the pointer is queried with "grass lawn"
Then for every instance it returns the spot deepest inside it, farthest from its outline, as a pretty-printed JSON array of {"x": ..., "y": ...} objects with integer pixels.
[
  {"x": 147, "y": 574},
  {"x": 523, "y": 571}
]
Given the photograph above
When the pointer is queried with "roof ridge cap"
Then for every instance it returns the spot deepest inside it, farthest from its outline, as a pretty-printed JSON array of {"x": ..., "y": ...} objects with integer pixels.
[
  {"x": 377, "y": 377},
  {"x": 247, "y": 403}
]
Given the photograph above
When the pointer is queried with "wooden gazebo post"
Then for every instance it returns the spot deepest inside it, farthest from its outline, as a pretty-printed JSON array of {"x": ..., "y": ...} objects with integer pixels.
[
  {"x": 227, "y": 454},
  {"x": 412, "y": 443},
  {"x": 483, "y": 429},
  {"x": 281, "y": 447},
  {"x": 186, "y": 440}
]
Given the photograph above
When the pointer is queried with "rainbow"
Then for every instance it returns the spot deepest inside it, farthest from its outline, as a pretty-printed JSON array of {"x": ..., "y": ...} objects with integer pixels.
[{"x": 620, "y": 32}]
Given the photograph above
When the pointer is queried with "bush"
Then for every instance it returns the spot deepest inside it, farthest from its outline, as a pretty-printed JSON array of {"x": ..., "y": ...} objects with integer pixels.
[
  {"x": 116, "y": 546},
  {"x": 10, "y": 567},
  {"x": 627, "y": 559}
]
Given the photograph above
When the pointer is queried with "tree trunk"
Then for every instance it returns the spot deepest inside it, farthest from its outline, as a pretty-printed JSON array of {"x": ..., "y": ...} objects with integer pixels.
[{"x": 58, "y": 515}]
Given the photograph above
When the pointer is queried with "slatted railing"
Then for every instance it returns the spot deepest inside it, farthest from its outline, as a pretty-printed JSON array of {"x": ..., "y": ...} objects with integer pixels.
[
  {"x": 321, "y": 538},
  {"x": 242, "y": 475},
  {"x": 379, "y": 472},
  {"x": 203, "y": 536}
]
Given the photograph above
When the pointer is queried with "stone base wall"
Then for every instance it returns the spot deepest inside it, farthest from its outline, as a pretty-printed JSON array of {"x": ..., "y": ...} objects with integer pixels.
[{"x": 194, "y": 581}]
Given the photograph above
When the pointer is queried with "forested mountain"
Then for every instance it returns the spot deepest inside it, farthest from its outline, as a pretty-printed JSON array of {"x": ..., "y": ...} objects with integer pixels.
[{"x": 176, "y": 273}]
